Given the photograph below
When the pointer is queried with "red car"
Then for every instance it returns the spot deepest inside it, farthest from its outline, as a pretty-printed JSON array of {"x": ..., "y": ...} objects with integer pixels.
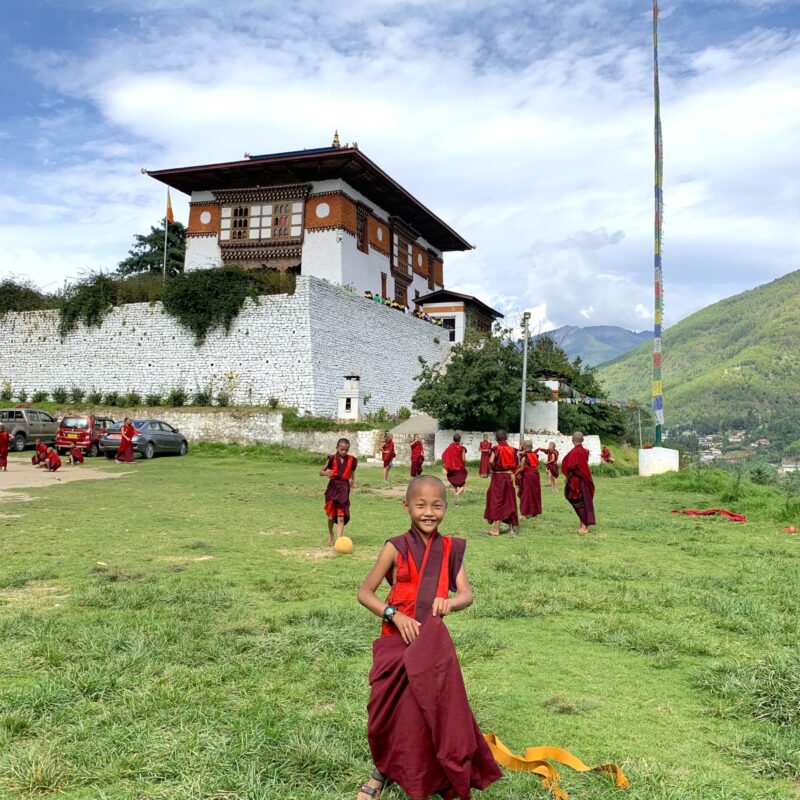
[{"x": 83, "y": 431}]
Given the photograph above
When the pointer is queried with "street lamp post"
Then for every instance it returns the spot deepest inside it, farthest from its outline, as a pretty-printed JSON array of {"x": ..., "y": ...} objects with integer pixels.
[{"x": 525, "y": 318}]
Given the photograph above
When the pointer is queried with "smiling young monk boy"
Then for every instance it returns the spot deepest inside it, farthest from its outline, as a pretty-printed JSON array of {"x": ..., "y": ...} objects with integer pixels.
[{"x": 421, "y": 730}]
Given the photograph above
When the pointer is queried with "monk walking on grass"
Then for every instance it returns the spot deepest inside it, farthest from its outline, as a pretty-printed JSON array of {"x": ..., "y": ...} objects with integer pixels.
[
  {"x": 125, "y": 449},
  {"x": 551, "y": 464},
  {"x": 501, "y": 500},
  {"x": 340, "y": 469},
  {"x": 3, "y": 449},
  {"x": 579, "y": 488},
  {"x": 421, "y": 730},
  {"x": 417, "y": 455},
  {"x": 530, "y": 486},
  {"x": 455, "y": 466},
  {"x": 485, "y": 448},
  {"x": 387, "y": 455}
]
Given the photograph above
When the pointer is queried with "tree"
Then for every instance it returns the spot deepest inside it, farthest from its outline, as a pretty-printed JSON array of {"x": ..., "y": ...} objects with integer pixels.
[
  {"x": 147, "y": 253},
  {"x": 480, "y": 387}
]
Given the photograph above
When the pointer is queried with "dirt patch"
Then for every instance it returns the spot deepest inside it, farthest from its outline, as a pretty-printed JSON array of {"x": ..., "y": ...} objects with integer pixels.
[
  {"x": 34, "y": 594},
  {"x": 278, "y": 532},
  {"x": 317, "y": 554},
  {"x": 179, "y": 559},
  {"x": 22, "y": 475},
  {"x": 10, "y": 516},
  {"x": 398, "y": 492}
]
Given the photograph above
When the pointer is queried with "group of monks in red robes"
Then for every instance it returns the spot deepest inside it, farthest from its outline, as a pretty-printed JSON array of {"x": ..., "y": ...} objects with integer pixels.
[{"x": 505, "y": 461}]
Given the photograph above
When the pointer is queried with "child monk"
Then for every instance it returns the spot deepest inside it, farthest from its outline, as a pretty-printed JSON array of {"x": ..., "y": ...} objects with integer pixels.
[
  {"x": 579, "y": 488},
  {"x": 40, "y": 454},
  {"x": 3, "y": 449},
  {"x": 387, "y": 454},
  {"x": 421, "y": 730},
  {"x": 530, "y": 487},
  {"x": 501, "y": 500},
  {"x": 75, "y": 455},
  {"x": 455, "y": 466},
  {"x": 340, "y": 468},
  {"x": 417, "y": 455},
  {"x": 606, "y": 457},
  {"x": 52, "y": 463},
  {"x": 551, "y": 464},
  {"x": 485, "y": 448},
  {"x": 125, "y": 452}
]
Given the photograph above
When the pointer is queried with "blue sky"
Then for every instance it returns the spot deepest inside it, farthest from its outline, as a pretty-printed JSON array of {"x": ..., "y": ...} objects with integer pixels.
[{"x": 525, "y": 124}]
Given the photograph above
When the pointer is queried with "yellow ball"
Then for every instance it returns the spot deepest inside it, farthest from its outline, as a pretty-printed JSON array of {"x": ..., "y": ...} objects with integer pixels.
[{"x": 344, "y": 545}]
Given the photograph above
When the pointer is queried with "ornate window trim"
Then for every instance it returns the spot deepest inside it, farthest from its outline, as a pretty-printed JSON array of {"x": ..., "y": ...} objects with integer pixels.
[{"x": 289, "y": 191}]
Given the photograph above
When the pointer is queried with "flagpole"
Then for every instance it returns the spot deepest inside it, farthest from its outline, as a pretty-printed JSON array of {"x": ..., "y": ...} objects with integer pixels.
[
  {"x": 658, "y": 316},
  {"x": 164, "y": 268}
]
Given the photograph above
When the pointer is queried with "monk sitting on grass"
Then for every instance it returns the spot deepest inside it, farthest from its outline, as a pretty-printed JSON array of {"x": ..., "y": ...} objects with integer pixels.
[
  {"x": 579, "y": 488},
  {"x": 421, "y": 730}
]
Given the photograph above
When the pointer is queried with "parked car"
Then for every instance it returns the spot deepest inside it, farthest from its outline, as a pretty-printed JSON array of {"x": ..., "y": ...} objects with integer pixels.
[
  {"x": 152, "y": 436},
  {"x": 25, "y": 425},
  {"x": 84, "y": 431}
]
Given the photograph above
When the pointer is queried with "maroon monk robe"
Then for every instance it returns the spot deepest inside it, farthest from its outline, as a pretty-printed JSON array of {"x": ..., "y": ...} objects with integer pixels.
[
  {"x": 387, "y": 453},
  {"x": 501, "y": 500},
  {"x": 486, "y": 452},
  {"x": 125, "y": 449},
  {"x": 337, "y": 493},
  {"x": 453, "y": 462},
  {"x": 40, "y": 456},
  {"x": 552, "y": 460},
  {"x": 579, "y": 487},
  {"x": 530, "y": 489},
  {"x": 3, "y": 449},
  {"x": 53, "y": 461},
  {"x": 421, "y": 730},
  {"x": 417, "y": 458}
]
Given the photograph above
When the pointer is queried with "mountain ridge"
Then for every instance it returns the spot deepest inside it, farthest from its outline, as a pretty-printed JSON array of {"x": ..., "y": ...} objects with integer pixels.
[
  {"x": 732, "y": 365},
  {"x": 596, "y": 344}
]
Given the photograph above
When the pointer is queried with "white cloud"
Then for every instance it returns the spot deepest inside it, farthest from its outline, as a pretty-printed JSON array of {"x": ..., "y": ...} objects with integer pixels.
[{"x": 528, "y": 127}]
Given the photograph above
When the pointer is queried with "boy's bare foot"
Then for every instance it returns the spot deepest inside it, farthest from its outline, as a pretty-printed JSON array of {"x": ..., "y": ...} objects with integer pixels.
[
  {"x": 583, "y": 530},
  {"x": 492, "y": 532}
]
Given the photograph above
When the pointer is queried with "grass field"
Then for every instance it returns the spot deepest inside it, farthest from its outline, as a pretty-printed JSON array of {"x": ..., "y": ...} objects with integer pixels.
[{"x": 182, "y": 632}]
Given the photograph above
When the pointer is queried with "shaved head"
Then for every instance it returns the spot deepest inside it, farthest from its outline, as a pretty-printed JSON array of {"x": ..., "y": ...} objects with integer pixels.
[
  {"x": 424, "y": 480},
  {"x": 577, "y": 437}
]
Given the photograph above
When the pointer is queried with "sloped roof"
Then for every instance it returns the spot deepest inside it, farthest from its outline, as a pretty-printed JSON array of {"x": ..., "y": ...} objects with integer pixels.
[{"x": 443, "y": 295}]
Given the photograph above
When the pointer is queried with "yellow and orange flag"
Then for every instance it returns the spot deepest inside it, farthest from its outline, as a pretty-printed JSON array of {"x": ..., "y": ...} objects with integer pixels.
[{"x": 170, "y": 215}]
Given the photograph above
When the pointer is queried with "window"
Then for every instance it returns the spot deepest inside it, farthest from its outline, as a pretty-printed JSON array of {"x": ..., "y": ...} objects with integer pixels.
[
  {"x": 402, "y": 256},
  {"x": 348, "y": 404},
  {"x": 33, "y": 416},
  {"x": 400, "y": 293},
  {"x": 431, "y": 284},
  {"x": 240, "y": 222},
  {"x": 416, "y": 297},
  {"x": 383, "y": 284},
  {"x": 449, "y": 325},
  {"x": 361, "y": 229}
]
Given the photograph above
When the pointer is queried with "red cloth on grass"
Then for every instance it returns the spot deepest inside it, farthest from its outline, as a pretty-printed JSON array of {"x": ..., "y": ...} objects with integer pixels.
[{"x": 711, "y": 512}]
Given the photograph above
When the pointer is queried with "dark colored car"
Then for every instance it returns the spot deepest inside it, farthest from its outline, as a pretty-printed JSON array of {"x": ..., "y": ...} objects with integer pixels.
[
  {"x": 26, "y": 426},
  {"x": 84, "y": 431},
  {"x": 152, "y": 437}
]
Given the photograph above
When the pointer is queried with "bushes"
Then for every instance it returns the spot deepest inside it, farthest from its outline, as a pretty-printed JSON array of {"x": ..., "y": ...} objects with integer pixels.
[
  {"x": 39, "y": 397},
  {"x": 87, "y": 301},
  {"x": 202, "y": 397},
  {"x": 293, "y": 422},
  {"x": 60, "y": 395},
  {"x": 111, "y": 398},
  {"x": 206, "y": 299},
  {"x": 153, "y": 400},
  {"x": 76, "y": 395},
  {"x": 22, "y": 396},
  {"x": 131, "y": 399},
  {"x": 94, "y": 398},
  {"x": 176, "y": 397},
  {"x": 22, "y": 296}
]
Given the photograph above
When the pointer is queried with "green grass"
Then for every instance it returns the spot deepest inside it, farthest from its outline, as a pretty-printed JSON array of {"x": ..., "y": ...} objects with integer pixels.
[{"x": 181, "y": 633}]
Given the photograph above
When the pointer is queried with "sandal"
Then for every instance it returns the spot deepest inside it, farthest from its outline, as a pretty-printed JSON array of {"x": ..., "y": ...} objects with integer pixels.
[{"x": 372, "y": 791}]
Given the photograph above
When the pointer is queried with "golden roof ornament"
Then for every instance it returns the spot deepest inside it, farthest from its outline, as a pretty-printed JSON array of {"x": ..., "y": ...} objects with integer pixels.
[{"x": 335, "y": 142}]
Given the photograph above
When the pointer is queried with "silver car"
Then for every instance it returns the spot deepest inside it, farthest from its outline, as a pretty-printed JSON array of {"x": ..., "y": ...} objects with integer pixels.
[
  {"x": 25, "y": 425},
  {"x": 152, "y": 437}
]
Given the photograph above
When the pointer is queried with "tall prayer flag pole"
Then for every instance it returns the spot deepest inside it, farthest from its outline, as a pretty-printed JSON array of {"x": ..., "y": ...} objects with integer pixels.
[{"x": 658, "y": 386}]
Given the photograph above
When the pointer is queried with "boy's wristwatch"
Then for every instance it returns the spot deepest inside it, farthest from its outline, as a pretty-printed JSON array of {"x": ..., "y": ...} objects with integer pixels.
[{"x": 388, "y": 613}]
